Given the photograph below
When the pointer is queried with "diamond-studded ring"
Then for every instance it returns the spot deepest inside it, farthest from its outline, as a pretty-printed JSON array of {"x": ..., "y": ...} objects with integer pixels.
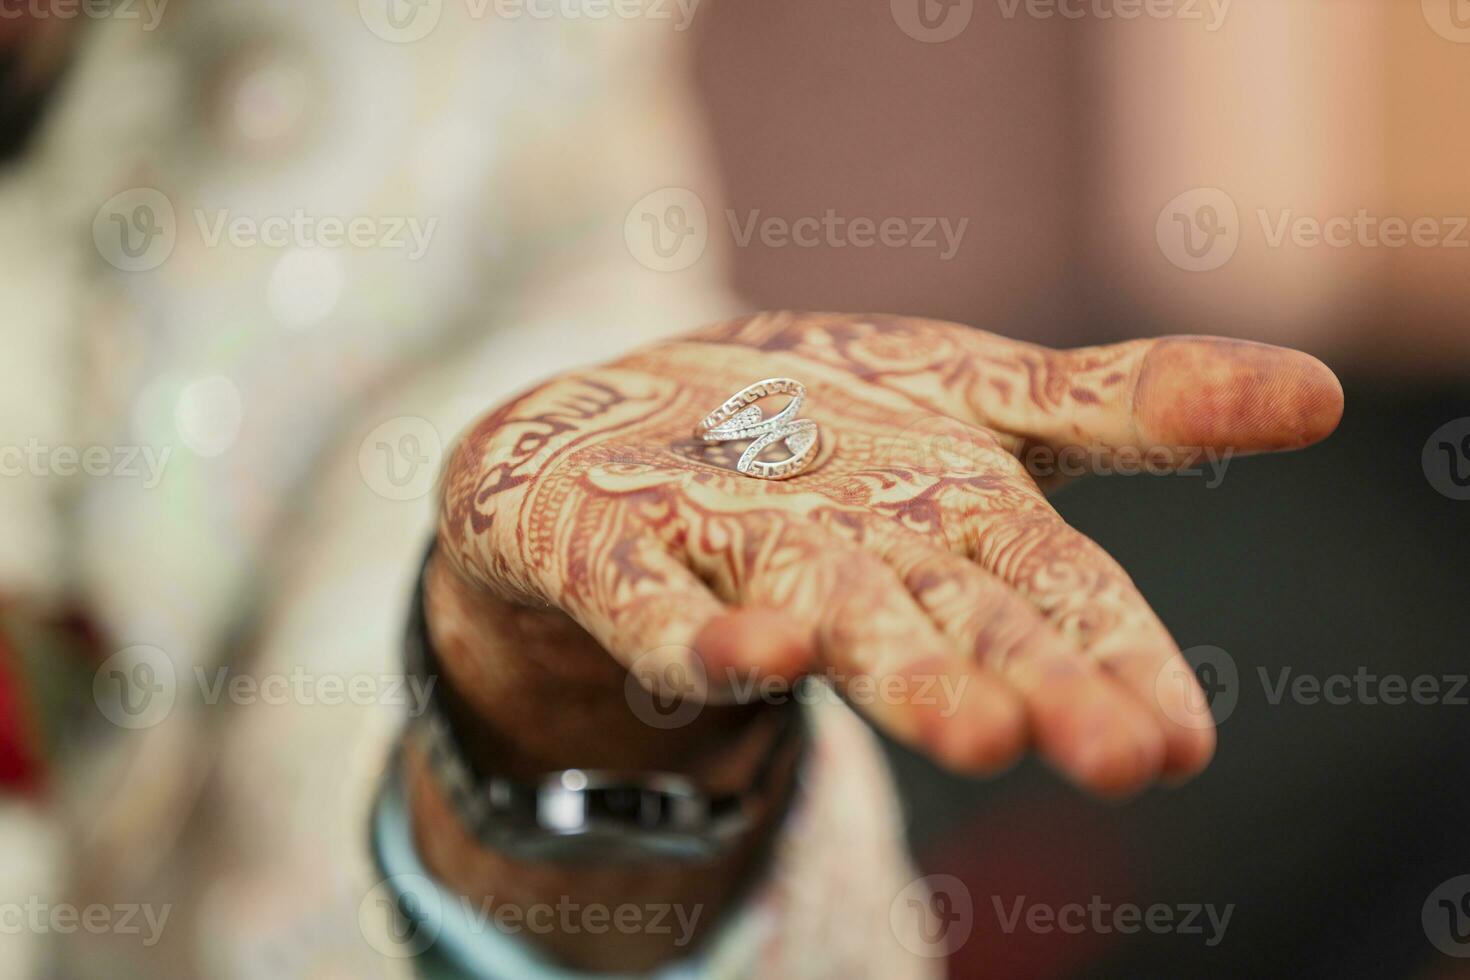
[{"x": 740, "y": 418}]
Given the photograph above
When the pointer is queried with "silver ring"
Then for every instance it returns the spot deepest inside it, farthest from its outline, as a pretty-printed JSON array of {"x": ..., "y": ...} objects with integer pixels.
[{"x": 740, "y": 418}]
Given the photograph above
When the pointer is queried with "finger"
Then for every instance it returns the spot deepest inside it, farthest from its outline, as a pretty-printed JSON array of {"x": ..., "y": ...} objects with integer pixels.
[
  {"x": 656, "y": 617},
  {"x": 1090, "y": 600},
  {"x": 1080, "y": 720},
  {"x": 1172, "y": 399},
  {"x": 1165, "y": 393},
  {"x": 991, "y": 512},
  {"x": 881, "y": 648}
]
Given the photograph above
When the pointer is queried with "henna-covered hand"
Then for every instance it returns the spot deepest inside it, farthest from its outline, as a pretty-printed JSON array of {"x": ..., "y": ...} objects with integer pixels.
[{"x": 916, "y": 547}]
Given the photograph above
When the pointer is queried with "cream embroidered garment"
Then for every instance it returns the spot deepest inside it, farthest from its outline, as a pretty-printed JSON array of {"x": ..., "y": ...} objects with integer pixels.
[{"x": 282, "y": 252}]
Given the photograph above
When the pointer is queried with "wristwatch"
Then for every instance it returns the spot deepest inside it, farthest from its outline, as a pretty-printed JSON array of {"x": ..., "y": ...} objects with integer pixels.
[{"x": 586, "y": 815}]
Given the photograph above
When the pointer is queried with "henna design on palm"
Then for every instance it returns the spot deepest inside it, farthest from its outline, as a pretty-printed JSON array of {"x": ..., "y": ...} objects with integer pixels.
[{"x": 916, "y": 546}]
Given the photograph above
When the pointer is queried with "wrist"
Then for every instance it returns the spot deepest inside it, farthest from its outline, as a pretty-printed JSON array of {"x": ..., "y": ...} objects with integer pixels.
[{"x": 531, "y": 692}]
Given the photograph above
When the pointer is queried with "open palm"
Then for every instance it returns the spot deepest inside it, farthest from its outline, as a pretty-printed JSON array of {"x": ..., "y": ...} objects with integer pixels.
[{"x": 917, "y": 560}]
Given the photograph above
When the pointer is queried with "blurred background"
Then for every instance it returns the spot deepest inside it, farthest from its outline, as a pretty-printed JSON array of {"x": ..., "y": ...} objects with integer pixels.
[
  {"x": 1072, "y": 143},
  {"x": 517, "y": 184}
]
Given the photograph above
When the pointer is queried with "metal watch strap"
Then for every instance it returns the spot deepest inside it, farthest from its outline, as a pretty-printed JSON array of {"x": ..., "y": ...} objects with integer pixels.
[{"x": 589, "y": 815}]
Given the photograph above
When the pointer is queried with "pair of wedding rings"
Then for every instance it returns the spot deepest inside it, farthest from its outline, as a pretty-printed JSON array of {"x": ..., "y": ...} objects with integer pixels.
[{"x": 740, "y": 418}]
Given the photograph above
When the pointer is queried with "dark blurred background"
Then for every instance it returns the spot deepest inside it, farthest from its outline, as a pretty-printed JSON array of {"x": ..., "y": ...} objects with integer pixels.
[{"x": 1061, "y": 140}]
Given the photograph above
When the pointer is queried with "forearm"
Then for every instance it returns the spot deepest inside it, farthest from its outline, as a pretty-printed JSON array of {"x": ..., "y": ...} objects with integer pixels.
[{"x": 532, "y": 693}]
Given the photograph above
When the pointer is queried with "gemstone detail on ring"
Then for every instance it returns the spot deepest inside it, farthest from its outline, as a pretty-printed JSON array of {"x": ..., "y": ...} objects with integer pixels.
[{"x": 739, "y": 418}]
